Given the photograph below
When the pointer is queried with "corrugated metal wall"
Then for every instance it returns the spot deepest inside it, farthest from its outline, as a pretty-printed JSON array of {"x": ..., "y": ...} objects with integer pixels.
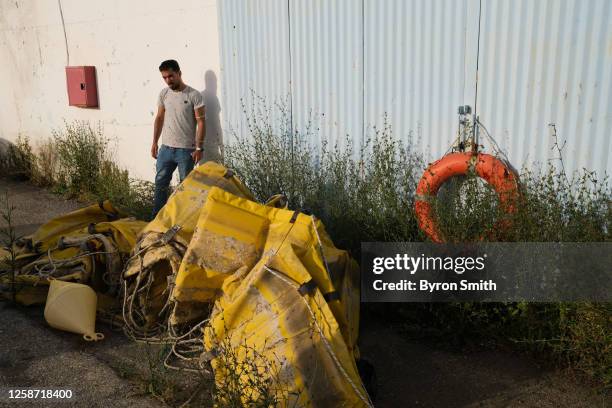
[
  {"x": 420, "y": 66},
  {"x": 254, "y": 48},
  {"x": 543, "y": 62},
  {"x": 327, "y": 67},
  {"x": 347, "y": 64}
]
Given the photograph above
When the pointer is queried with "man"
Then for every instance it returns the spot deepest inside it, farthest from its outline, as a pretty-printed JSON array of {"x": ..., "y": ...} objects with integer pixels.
[{"x": 179, "y": 109}]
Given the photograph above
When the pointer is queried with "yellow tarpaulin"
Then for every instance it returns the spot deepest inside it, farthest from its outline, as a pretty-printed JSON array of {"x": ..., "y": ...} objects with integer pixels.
[
  {"x": 283, "y": 294},
  {"x": 88, "y": 245},
  {"x": 270, "y": 332},
  {"x": 284, "y": 299},
  {"x": 234, "y": 233},
  {"x": 162, "y": 244}
]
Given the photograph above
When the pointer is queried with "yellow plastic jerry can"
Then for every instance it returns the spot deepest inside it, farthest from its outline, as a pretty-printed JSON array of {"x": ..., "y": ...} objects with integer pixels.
[{"x": 72, "y": 307}]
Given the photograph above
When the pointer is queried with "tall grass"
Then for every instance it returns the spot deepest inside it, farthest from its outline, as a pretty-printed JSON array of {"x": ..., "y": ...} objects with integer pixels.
[
  {"x": 368, "y": 195},
  {"x": 364, "y": 195},
  {"x": 77, "y": 161},
  {"x": 16, "y": 159},
  {"x": 8, "y": 238},
  {"x": 82, "y": 151}
]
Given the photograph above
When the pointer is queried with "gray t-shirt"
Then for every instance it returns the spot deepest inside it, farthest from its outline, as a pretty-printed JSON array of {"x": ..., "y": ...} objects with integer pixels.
[{"x": 179, "y": 120}]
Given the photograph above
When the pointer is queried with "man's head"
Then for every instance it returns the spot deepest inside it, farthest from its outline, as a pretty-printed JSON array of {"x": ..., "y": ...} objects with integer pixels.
[{"x": 171, "y": 73}]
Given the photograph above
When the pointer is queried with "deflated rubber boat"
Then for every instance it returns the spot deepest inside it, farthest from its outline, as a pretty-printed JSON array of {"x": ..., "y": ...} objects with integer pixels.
[
  {"x": 255, "y": 293},
  {"x": 89, "y": 246}
]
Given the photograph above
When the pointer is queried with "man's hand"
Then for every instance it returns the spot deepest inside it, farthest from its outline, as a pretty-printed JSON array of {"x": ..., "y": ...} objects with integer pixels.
[
  {"x": 157, "y": 129},
  {"x": 197, "y": 156},
  {"x": 154, "y": 150}
]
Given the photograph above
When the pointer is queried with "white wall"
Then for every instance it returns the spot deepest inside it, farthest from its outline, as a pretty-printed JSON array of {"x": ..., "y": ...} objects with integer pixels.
[{"x": 125, "y": 40}]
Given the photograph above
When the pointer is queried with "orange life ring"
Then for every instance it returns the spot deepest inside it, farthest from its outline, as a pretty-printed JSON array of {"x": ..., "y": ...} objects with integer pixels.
[{"x": 494, "y": 171}]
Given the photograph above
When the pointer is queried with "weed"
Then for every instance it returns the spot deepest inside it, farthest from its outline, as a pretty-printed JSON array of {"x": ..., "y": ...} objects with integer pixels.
[
  {"x": 16, "y": 159},
  {"x": 45, "y": 164},
  {"x": 78, "y": 162},
  {"x": 360, "y": 196},
  {"x": 158, "y": 382},
  {"x": 82, "y": 150},
  {"x": 369, "y": 196},
  {"x": 8, "y": 237},
  {"x": 245, "y": 377}
]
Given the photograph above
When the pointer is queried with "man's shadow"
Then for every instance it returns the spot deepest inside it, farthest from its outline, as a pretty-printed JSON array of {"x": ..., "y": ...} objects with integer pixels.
[{"x": 213, "y": 142}]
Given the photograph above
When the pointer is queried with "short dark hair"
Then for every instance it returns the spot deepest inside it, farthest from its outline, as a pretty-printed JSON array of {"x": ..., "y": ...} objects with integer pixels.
[{"x": 169, "y": 64}]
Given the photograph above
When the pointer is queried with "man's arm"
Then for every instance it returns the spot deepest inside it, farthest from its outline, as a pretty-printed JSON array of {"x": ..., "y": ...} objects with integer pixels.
[
  {"x": 157, "y": 128},
  {"x": 200, "y": 133}
]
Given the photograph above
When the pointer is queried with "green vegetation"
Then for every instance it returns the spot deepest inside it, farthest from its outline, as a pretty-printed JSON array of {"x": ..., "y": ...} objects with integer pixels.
[
  {"x": 369, "y": 196},
  {"x": 8, "y": 238},
  {"x": 247, "y": 378},
  {"x": 77, "y": 161},
  {"x": 360, "y": 196}
]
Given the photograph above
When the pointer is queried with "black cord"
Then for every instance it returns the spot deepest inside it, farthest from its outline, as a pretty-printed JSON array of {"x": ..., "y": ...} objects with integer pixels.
[
  {"x": 59, "y": 3},
  {"x": 477, "y": 64}
]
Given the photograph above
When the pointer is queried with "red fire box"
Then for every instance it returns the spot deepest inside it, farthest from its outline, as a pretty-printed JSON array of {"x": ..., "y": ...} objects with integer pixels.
[{"x": 82, "y": 90}]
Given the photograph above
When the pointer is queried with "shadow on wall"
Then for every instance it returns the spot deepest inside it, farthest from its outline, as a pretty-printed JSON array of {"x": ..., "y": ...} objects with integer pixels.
[{"x": 213, "y": 143}]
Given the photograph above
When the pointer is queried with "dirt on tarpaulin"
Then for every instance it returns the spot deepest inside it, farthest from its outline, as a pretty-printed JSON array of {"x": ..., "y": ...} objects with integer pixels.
[{"x": 112, "y": 372}]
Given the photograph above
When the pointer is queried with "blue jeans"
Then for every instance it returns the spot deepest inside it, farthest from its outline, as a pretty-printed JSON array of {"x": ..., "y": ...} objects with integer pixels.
[{"x": 168, "y": 159}]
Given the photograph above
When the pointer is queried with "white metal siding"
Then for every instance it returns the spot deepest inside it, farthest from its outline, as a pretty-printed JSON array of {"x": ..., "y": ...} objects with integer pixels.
[
  {"x": 327, "y": 67},
  {"x": 544, "y": 62},
  {"x": 348, "y": 63},
  {"x": 420, "y": 66},
  {"x": 254, "y": 38}
]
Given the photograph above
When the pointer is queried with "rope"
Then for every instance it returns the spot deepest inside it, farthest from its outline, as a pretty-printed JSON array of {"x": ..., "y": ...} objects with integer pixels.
[
  {"x": 42, "y": 266},
  {"x": 184, "y": 347},
  {"x": 187, "y": 347},
  {"x": 136, "y": 324},
  {"x": 496, "y": 149}
]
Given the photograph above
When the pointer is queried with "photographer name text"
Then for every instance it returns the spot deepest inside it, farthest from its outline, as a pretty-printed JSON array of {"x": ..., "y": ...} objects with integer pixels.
[{"x": 424, "y": 285}]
